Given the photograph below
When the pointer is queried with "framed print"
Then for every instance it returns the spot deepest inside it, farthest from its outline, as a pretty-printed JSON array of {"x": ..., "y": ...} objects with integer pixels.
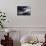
[{"x": 23, "y": 10}]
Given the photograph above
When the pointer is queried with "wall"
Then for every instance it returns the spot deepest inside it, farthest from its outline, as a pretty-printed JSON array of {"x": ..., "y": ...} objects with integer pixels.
[
  {"x": 37, "y": 19},
  {"x": 10, "y": 7},
  {"x": 38, "y": 13}
]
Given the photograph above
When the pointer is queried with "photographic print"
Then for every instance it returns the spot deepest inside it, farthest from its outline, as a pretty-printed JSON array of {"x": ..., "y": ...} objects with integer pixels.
[{"x": 23, "y": 10}]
